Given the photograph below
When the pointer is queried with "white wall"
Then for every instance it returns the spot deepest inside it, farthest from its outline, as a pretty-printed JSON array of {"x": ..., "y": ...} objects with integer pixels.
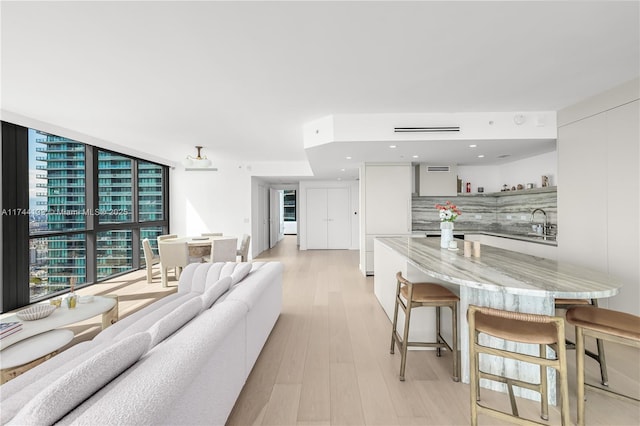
[
  {"x": 225, "y": 200},
  {"x": 528, "y": 170},
  {"x": 210, "y": 201}
]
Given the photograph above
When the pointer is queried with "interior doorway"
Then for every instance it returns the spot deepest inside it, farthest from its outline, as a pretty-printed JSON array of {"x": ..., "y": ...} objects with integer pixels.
[{"x": 289, "y": 212}]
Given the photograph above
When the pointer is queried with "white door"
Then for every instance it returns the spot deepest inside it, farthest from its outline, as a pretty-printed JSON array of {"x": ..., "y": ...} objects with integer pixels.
[
  {"x": 328, "y": 218},
  {"x": 338, "y": 215},
  {"x": 317, "y": 218}
]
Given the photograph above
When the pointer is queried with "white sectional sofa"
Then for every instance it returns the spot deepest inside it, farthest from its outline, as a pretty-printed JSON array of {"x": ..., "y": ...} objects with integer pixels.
[{"x": 181, "y": 360}]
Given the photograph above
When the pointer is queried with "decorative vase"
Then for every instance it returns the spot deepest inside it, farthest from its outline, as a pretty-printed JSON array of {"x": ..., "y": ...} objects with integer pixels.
[{"x": 446, "y": 234}]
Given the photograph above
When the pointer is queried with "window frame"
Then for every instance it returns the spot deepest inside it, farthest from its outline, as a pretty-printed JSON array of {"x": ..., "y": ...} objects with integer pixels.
[{"x": 15, "y": 227}]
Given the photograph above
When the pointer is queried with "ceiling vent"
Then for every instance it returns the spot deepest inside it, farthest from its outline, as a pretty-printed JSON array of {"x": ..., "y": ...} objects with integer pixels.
[
  {"x": 426, "y": 129},
  {"x": 438, "y": 169}
]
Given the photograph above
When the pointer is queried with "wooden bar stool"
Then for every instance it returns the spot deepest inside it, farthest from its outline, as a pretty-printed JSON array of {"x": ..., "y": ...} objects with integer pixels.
[
  {"x": 519, "y": 327},
  {"x": 599, "y": 357},
  {"x": 603, "y": 324},
  {"x": 413, "y": 295}
]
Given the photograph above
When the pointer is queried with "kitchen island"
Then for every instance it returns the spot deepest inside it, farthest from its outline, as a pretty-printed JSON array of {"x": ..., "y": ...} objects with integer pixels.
[{"x": 499, "y": 278}]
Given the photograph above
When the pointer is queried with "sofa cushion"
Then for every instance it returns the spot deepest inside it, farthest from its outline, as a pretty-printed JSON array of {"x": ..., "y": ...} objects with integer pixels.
[
  {"x": 186, "y": 277},
  {"x": 156, "y": 384},
  {"x": 78, "y": 384},
  {"x": 240, "y": 271},
  {"x": 174, "y": 321},
  {"x": 214, "y": 291},
  {"x": 20, "y": 390},
  {"x": 249, "y": 290},
  {"x": 143, "y": 319}
]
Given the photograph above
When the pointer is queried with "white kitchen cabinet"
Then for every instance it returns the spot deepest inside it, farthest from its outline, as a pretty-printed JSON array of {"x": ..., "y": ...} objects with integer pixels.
[
  {"x": 328, "y": 218},
  {"x": 386, "y": 197},
  {"x": 599, "y": 189}
]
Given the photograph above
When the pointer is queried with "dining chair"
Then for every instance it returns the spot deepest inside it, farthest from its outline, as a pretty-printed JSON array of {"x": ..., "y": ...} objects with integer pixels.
[
  {"x": 223, "y": 250},
  {"x": 166, "y": 237},
  {"x": 172, "y": 255},
  {"x": 243, "y": 251},
  {"x": 150, "y": 259}
]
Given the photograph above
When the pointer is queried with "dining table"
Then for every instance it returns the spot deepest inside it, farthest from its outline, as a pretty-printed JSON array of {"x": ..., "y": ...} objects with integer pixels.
[
  {"x": 199, "y": 246},
  {"x": 497, "y": 278}
]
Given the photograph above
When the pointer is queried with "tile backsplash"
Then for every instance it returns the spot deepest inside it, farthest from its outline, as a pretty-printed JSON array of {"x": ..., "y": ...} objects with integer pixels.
[{"x": 509, "y": 213}]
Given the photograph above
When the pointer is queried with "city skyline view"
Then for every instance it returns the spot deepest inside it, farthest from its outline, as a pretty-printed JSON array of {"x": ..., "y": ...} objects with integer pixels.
[{"x": 58, "y": 205}]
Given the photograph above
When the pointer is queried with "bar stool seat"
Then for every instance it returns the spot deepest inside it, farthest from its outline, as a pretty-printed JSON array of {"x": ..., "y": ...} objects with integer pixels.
[
  {"x": 411, "y": 295},
  {"x": 606, "y": 324},
  {"x": 599, "y": 357},
  {"x": 519, "y": 327}
]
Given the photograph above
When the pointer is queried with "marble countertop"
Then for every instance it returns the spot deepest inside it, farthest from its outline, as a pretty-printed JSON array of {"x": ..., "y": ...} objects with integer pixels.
[{"x": 504, "y": 270}]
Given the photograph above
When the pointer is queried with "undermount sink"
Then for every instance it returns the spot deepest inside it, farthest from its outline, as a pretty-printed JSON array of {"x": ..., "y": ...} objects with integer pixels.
[{"x": 541, "y": 237}]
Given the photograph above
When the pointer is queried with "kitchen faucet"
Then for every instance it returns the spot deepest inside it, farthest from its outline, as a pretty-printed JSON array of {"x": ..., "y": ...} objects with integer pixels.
[{"x": 544, "y": 223}]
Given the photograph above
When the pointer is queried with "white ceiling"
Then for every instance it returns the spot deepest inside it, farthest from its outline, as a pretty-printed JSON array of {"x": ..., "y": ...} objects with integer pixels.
[{"x": 241, "y": 78}]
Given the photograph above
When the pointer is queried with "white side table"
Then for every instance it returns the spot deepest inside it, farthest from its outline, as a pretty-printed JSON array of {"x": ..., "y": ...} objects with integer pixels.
[{"x": 30, "y": 352}]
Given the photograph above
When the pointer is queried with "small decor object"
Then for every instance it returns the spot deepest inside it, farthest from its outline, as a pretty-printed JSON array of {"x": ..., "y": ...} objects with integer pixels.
[
  {"x": 476, "y": 249},
  {"x": 56, "y": 302},
  {"x": 36, "y": 312},
  {"x": 481, "y": 189},
  {"x": 545, "y": 181},
  {"x": 467, "y": 248},
  {"x": 448, "y": 212},
  {"x": 520, "y": 186},
  {"x": 72, "y": 299}
]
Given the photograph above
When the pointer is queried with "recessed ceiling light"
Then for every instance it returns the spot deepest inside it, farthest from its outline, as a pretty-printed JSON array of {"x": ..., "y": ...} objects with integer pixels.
[
  {"x": 415, "y": 156},
  {"x": 473, "y": 146},
  {"x": 481, "y": 156},
  {"x": 348, "y": 158},
  {"x": 342, "y": 170},
  {"x": 393, "y": 146}
]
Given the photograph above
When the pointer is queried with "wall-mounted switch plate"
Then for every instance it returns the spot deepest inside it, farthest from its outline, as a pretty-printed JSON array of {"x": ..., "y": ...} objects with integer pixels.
[
  {"x": 478, "y": 216},
  {"x": 523, "y": 217},
  {"x": 509, "y": 216}
]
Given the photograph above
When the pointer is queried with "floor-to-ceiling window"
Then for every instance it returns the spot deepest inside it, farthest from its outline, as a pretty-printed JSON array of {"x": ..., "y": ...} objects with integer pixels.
[
  {"x": 72, "y": 210},
  {"x": 57, "y": 205}
]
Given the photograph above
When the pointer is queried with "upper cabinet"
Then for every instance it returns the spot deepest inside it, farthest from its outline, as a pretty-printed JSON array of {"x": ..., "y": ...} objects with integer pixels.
[
  {"x": 387, "y": 199},
  {"x": 437, "y": 180}
]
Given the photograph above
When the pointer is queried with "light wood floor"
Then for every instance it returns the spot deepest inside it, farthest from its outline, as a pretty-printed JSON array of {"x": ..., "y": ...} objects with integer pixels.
[{"x": 327, "y": 359}]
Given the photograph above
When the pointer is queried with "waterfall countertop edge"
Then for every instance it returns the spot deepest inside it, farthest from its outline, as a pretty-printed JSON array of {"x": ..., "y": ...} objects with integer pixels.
[{"x": 505, "y": 271}]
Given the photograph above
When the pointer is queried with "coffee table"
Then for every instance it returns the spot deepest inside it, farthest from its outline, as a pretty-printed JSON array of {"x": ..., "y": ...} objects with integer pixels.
[
  {"x": 41, "y": 339},
  {"x": 61, "y": 317}
]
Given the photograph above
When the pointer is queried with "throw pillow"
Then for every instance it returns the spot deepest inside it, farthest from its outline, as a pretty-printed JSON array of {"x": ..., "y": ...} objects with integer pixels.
[
  {"x": 214, "y": 291},
  {"x": 174, "y": 321},
  {"x": 241, "y": 270},
  {"x": 70, "y": 390}
]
